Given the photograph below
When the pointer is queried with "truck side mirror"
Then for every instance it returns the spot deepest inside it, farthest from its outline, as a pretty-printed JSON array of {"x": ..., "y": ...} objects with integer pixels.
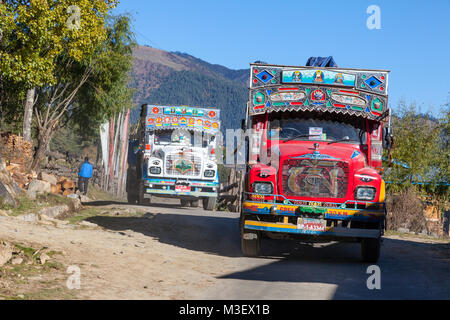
[
  {"x": 243, "y": 125},
  {"x": 387, "y": 139}
]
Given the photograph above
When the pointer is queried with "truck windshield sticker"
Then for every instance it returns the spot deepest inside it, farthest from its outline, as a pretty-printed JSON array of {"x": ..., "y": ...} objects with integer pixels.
[{"x": 316, "y": 134}]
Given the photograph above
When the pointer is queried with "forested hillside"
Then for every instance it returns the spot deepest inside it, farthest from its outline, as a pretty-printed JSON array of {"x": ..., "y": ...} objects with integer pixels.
[{"x": 161, "y": 77}]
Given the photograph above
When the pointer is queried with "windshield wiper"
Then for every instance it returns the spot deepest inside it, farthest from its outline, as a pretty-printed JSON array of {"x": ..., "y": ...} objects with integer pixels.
[
  {"x": 302, "y": 136},
  {"x": 342, "y": 140}
]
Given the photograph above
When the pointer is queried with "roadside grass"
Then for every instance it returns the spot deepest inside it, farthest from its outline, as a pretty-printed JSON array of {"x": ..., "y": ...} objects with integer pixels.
[
  {"x": 27, "y": 251},
  {"x": 54, "y": 200},
  {"x": 95, "y": 193},
  {"x": 83, "y": 215},
  {"x": 417, "y": 236},
  {"x": 31, "y": 280},
  {"x": 90, "y": 212},
  {"x": 26, "y": 205}
]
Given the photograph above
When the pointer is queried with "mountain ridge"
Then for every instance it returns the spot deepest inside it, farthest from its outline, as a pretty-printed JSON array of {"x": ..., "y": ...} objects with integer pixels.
[{"x": 175, "y": 78}]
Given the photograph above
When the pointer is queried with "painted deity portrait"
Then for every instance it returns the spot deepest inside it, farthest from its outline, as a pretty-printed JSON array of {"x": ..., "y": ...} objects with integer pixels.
[
  {"x": 339, "y": 78},
  {"x": 297, "y": 76},
  {"x": 318, "y": 76}
]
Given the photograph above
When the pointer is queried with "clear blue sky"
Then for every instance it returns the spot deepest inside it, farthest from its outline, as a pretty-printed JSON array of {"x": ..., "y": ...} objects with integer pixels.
[{"x": 414, "y": 42}]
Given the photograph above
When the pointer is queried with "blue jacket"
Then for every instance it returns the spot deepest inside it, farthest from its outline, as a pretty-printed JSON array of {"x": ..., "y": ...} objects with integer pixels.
[{"x": 86, "y": 170}]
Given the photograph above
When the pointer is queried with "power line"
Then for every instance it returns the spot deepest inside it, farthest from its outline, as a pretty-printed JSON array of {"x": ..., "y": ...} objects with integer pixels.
[{"x": 155, "y": 45}]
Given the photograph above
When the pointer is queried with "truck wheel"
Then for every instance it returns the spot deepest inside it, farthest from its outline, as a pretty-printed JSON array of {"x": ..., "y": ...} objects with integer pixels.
[
  {"x": 195, "y": 203},
  {"x": 250, "y": 243},
  {"x": 185, "y": 203},
  {"x": 370, "y": 250},
  {"x": 145, "y": 201},
  {"x": 131, "y": 197},
  {"x": 209, "y": 204},
  {"x": 141, "y": 199}
]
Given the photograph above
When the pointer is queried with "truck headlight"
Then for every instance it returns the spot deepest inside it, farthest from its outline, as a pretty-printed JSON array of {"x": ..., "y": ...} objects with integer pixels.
[
  {"x": 263, "y": 188},
  {"x": 210, "y": 173},
  {"x": 365, "y": 193},
  {"x": 155, "y": 170}
]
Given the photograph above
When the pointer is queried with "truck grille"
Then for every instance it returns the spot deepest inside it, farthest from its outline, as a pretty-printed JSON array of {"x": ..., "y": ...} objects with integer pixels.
[
  {"x": 315, "y": 178},
  {"x": 178, "y": 164}
]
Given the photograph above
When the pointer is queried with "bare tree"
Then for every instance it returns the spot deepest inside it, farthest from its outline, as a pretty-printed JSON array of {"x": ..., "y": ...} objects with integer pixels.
[{"x": 53, "y": 111}]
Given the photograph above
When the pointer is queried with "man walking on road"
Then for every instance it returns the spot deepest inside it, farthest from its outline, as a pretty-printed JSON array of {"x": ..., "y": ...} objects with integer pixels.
[{"x": 84, "y": 175}]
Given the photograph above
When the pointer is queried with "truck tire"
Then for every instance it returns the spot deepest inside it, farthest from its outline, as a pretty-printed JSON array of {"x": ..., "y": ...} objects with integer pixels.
[
  {"x": 195, "y": 203},
  {"x": 370, "y": 250},
  {"x": 250, "y": 247},
  {"x": 141, "y": 199},
  {"x": 185, "y": 203},
  {"x": 131, "y": 197},
  {"x": 145, "y": 201},
  {"x": 209, "y": 204}
]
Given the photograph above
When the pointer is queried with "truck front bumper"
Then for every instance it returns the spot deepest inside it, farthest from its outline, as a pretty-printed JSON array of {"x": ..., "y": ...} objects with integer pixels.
[
  {"x": 167, "y": 187},
  {"x": 280, "y": 218}
]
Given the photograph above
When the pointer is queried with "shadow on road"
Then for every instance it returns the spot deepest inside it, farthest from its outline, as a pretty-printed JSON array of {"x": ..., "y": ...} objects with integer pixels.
[
  {"x": 104, "y": 203},
  {"x": 216, "y": 235},
  {"x": 409, "y": 270}
]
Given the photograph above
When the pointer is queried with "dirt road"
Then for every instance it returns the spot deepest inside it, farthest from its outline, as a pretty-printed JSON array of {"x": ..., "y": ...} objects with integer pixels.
[{"x": 167, "y": 252}]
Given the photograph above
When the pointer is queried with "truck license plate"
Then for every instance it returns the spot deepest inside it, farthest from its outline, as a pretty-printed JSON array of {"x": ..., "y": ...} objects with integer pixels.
[
  {"x": 312, "y": 224},
  {"x": 181, "y": 188}
]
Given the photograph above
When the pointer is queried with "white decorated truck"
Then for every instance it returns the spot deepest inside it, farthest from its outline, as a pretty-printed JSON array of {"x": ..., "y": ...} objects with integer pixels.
[{"x": 173, "y": 155}]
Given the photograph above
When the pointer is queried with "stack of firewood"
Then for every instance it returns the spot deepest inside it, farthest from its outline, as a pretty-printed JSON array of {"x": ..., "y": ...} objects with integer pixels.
[
  {"x": 19, "y": 174},
  {"x": 20, "y": 154},
  {"x": 16, "y": 148},
  {"x": 64, "y": 187}
]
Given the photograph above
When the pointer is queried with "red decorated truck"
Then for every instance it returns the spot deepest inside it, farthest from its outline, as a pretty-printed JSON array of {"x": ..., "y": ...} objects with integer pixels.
[{"x": 315, "y": 150}]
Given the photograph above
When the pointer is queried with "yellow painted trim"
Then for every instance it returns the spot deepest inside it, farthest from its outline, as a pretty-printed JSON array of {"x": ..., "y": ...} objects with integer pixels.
[
  {"x": 271, "y": 225},
  {"x": 382, "y": 192},
  {"x": 347, "y": 212}
]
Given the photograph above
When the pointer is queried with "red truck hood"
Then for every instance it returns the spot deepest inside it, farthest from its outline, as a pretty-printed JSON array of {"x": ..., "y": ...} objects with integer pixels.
[
  {"x": 317, "y": 179},
  {"x": 302, "y": 171}
]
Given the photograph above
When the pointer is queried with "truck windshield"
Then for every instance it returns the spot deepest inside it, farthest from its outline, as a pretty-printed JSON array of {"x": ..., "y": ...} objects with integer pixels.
[
  {"x": 291, "y": 126},
  {"x": 183, "y": 137}
]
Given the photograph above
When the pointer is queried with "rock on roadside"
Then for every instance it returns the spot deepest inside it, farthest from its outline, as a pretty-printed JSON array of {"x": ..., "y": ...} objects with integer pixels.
[
  {"x": 43, "y": 258},
  {"x": 48, "y": 178},
  {"x": 6, "y": 252},
  {"x": 88, "y": 224},
  {"x": 76, "y": 201},
  {"x": 38, "y": 187},
  {"x": 5, "y": 195},
  {"x": 54, "y": 212},
  {"x": 16, "y": 261},
  {"x": 3, "y": 214},
  {"x": 45, "y": 214}
]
